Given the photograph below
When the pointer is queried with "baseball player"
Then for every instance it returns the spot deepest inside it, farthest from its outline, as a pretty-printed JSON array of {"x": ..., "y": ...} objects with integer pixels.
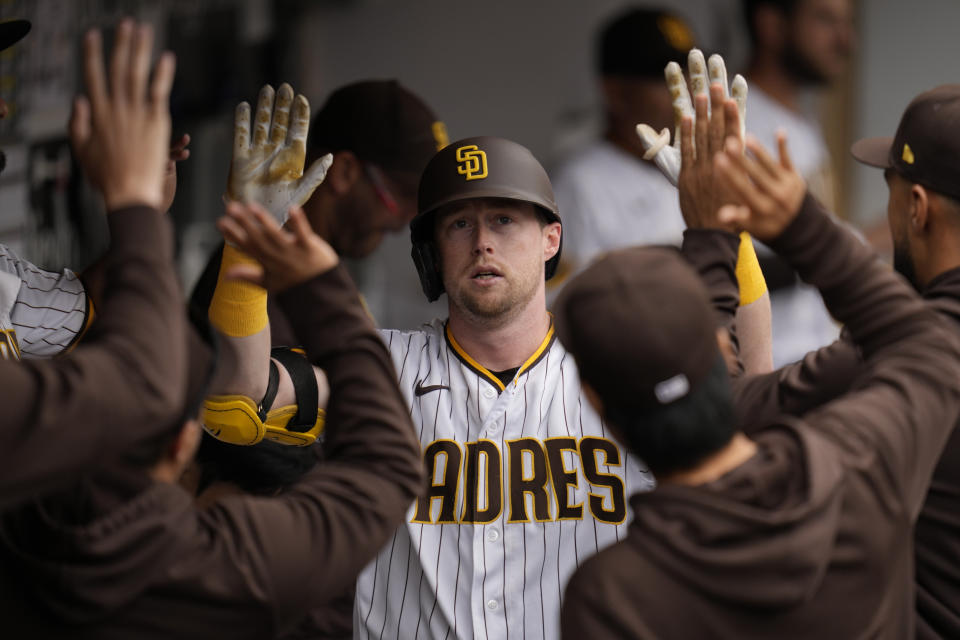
[
  {"x": 524, "y": 478},
  {"x": 525, "y": 481}
]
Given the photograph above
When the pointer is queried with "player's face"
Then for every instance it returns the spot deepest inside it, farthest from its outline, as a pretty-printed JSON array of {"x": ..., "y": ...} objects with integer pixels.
[
  {"x": 820, "y": 40},
  {"x": 633, "y": 100},
  {"x": 375, "y": 204},
  {"x": 492, "y": 255}
]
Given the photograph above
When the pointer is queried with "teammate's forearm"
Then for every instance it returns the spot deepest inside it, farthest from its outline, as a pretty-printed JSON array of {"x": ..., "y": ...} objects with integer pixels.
[
  {"x": 754, "y": 335},
  {"x": 857, "y": 289},
  {"x": 238, "y": 313},
  {"x": 355, "y": 501}
]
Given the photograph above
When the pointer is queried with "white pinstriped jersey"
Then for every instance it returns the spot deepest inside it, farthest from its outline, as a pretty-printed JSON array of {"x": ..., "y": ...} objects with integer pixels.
[
  {"x": 41, "y": 312},
  {"x": 525, "y": 484}
]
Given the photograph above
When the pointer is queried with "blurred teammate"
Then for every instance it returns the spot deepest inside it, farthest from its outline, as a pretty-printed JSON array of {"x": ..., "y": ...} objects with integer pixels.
[
  {"x": 796, "y": 46},
  {"x": 923, "y": 211},
  {"x": 126, "y": 385},
  {"x": 124, "y": 552},
  {"x": 612, "y": 195},
  {"x": 810, "y": 518},
  {"x": 45, "y": 313},
  {"x": 380, "y": 136}
]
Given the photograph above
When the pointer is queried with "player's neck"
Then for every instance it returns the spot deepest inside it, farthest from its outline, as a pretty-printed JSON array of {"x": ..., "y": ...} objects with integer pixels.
[
  {"x": 502, "y": 346},
  {"x": 766, "y": 73},
  {"x": 732, "y": 455},
  {"x": 321, "y": 213},
  {"x": 626, "y": 141}
]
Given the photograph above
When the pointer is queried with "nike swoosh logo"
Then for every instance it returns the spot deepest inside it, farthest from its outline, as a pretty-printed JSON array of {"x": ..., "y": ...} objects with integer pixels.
[{"x": 419, "y": 390}]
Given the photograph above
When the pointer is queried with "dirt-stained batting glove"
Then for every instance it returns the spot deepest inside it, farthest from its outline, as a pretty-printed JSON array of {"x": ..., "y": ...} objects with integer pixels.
[
  {"x": 269, "y": 168},
  {"x": 657, "y": 145}
]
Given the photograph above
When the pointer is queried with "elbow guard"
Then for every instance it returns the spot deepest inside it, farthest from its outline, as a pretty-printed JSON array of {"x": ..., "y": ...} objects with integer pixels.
[{"x": 239, "y": 420}]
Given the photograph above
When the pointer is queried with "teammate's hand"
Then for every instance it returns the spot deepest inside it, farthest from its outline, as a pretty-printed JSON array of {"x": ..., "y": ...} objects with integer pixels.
[
  {"x": 769, "y": 193},
  {"x": 120, "y": 131},
  {"x": 668, "y": 157},
  {"x": 288, "y": 255},
  {"x": 701, "y": 194},
  {"x": 269, "y": 169},
  {"x": 178, "y": 153}
]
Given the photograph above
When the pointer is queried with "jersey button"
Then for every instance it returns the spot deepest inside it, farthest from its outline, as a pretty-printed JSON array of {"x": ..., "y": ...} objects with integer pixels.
[
  {"x": 489, "y": 393},
  {"x": 493, "y": 535},
  {"x": 492, "y": 605}
]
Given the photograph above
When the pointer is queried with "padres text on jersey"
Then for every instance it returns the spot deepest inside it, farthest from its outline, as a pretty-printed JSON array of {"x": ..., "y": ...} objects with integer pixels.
[{"x": 524, "y": 483}]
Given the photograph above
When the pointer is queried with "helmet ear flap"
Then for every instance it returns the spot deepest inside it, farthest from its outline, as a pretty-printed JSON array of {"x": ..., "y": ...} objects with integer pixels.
[{"x": 424, "y": 256}]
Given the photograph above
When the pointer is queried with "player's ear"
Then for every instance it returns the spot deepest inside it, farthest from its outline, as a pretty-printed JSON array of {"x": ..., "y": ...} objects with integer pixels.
[
  {"x": 551, "y": 240},
  {"x": 919, "y": 208},
  {"x": 345, "y": 171}
]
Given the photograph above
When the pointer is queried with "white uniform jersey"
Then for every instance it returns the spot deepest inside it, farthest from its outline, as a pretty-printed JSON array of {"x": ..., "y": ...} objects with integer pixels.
[
  {"x": 801, "y": 322},
  {"x": 611, "y": 200},
  {"x": 41, "y": 312},
  {"x": 526, "y": 483}
]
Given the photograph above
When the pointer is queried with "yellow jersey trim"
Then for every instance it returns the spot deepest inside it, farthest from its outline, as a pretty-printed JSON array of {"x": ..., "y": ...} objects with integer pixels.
[
  {"x": 90, "y": 315},
  {"x": 484, "y": 372}
]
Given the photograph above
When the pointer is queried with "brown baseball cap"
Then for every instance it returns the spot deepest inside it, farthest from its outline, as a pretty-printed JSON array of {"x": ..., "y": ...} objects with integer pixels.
[
  {"x": 639, "y": 324},
  {"x": 382, "y": 122},
  {"x": 926, "y": 147},
  {"x": 640, "y": 42}
]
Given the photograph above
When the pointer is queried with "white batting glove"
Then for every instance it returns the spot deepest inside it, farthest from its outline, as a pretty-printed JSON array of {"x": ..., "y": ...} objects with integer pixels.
[
  {"x": 657, "y": 145},
  {"x": 269, "y": 170}
]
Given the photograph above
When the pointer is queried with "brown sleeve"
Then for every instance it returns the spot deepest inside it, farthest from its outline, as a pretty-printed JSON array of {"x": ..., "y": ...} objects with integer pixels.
[
  {"x": 713, "y": 254},
  {"x": 303, "y": 548},
  {"x": 123, "y": 384},
  {"x": 595, "y": 606},
  {"x": 904, "y": 400},
  {"x": 821, "y": 376}
]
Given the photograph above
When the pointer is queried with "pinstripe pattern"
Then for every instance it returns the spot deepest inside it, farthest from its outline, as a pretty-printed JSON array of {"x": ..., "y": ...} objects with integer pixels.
[
  {"x": 495, "y": 579},
  {"x": 45, "y": 310}
]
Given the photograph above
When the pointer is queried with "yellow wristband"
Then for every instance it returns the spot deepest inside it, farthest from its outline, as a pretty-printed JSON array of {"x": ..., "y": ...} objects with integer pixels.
[
  {"x": 238, "y": 308},
  {"x": 749, "y": 276}
]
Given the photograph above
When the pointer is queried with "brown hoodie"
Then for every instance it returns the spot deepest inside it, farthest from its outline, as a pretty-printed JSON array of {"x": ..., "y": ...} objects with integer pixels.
[
  {"x": 811, "y": 537},
  {"x": 124, "y": 384},
  {"x": 121, "y": 556},
  {"x": 827, "y": 373}
]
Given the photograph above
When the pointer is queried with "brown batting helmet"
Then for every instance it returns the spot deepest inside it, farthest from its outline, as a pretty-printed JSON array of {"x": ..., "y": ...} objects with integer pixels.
[{"x": 483, "y": 167}]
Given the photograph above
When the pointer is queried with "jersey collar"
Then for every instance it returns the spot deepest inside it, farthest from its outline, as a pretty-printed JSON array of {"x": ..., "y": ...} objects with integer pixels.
[{"x": 485, "y": 373}]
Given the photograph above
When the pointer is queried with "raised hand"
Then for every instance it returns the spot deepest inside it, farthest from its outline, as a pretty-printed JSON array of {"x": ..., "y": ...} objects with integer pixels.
[
  {"x": 120, "y": 131},
  {"x": 769, "y": 193},
  {"x": 269, "y": 168},
  {"x": 701, "y": 194},
  {"x": 667, "y": 157},
  {"x": 288, "y": 255}
]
